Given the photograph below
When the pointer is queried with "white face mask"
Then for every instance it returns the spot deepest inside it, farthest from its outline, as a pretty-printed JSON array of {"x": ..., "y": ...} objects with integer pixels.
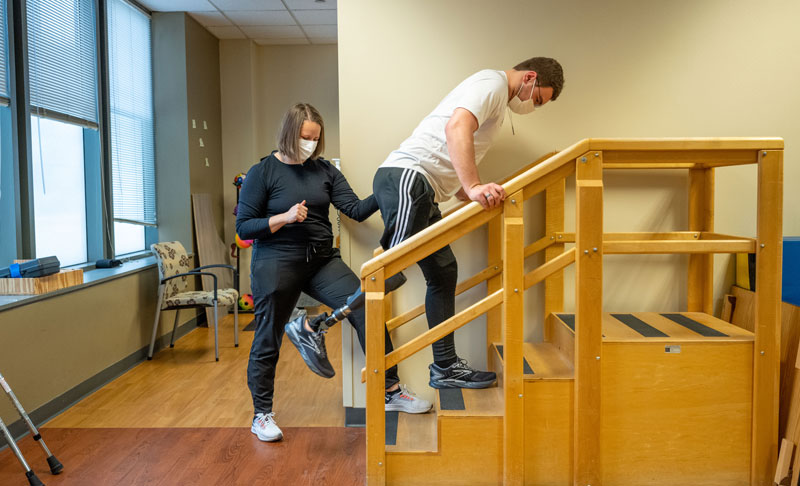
[
  {"x": 307, "y": 148},
  {"x": 522, "y": 107}
]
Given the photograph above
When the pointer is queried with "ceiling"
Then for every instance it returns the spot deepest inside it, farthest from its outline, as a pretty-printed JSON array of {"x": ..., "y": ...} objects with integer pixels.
[{"x": 267, "y": 22}]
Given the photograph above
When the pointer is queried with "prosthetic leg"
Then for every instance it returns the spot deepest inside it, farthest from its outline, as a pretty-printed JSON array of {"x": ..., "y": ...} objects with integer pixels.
[
  {"x": 354, "y": 302},
  {"x": 311, "y": 344}
]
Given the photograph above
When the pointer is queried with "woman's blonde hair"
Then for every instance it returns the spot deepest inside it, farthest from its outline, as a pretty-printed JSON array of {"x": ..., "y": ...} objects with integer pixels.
[{"x": 292, "y": 123}]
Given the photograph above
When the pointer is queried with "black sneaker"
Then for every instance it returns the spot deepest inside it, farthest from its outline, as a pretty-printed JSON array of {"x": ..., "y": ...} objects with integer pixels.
[
  {"x": 311, "y": 346},
  {"x": 460, "y": 375}
]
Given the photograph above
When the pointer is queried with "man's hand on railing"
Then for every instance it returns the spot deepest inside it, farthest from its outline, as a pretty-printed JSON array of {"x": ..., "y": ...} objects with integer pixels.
[{"x": 488, "y": 195}]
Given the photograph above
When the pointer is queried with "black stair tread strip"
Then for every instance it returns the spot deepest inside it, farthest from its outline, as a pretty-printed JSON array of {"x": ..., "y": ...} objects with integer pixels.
[
  {"x": 451, "y": 399},
  {"x": 527, "y": 370},
  {"x": 391, "y": 427},
  {"x": 693, "y": 325},
  {"x": 639, "y": 325},
  {"x": 569, "y": 319}
]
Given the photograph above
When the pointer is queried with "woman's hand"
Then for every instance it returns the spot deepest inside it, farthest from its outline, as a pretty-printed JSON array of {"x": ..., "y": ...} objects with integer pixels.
[{"x": 297, "y": 213}]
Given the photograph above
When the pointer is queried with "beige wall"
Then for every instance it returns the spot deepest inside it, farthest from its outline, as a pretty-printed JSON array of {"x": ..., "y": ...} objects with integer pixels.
[
  {"x": 633, "y": 69},
  {"x": 55, "y": 344},
  {"x": 203, "y": 107},
  {"x": 259, "y": 83}
]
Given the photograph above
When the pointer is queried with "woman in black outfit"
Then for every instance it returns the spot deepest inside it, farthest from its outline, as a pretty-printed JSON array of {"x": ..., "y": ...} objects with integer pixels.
[{"x": 284, "y": 206}]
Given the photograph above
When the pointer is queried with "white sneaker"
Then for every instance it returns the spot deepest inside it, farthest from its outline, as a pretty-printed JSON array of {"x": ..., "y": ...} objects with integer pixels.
[
  {"x": 406, "y": 401},
  {"x": 265, "y": 428}
]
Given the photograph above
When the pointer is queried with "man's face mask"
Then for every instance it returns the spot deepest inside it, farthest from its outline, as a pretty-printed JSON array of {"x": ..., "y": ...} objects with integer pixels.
[{"x": 523, "y": 107}]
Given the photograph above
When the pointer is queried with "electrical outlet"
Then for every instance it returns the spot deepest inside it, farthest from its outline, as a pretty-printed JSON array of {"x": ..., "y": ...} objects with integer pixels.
[{"x": 194, "y": 123}]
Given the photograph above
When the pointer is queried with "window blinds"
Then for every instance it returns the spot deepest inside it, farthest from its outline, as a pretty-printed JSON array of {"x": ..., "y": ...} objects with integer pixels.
[
  {"x": 131, "y": 100},
  {"x": 62, "y": 58}
]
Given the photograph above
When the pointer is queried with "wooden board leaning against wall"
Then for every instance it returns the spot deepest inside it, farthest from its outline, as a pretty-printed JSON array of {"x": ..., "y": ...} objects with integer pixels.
[{"x": 739, "y": 309}]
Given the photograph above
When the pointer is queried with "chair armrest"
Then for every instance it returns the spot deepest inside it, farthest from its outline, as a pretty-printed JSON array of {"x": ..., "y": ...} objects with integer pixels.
[
  {"x": 220, "y": 265},
  {"x": 192, "y": 274}
]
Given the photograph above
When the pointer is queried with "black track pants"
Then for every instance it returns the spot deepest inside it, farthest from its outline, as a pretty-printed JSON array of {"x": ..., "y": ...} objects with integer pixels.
[
  {"x": 277, "y": 278},
  {"x": 406, "y": 201}
]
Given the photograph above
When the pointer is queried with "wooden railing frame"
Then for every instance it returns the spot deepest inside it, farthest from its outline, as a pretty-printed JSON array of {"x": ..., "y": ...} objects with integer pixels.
[{"x": 588, "y": 159}]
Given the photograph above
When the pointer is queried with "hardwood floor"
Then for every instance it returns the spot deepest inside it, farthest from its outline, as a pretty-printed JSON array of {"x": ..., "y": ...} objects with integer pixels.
[
  {"x": 184, "y": 419},
  {"x": 197, "y": 457},
  {"x": 185, "y": 387}
]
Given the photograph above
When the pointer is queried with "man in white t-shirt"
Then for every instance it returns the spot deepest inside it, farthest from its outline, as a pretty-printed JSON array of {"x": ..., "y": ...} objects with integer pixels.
[{"x": 439, "y": 160}]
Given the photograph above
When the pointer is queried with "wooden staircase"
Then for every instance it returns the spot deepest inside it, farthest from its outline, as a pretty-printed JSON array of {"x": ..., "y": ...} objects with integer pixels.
[{"x": 643, "y": 398}]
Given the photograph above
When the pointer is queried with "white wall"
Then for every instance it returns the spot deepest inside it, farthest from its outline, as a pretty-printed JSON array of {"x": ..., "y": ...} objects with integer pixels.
[{"x": 633, "y": 69}]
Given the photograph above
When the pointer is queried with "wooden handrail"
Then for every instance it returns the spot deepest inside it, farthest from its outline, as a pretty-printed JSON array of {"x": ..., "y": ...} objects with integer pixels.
[
  {"x": 463, "y": 220},
  {"x": 377, "y": 251},
  {"x": 640, "y": 247},
  {"x": 545, "y": 270},
  {"x": 462, "y": 287},
  {"x": 441, "y": 330},
  {"x": 469, "y": 283}
]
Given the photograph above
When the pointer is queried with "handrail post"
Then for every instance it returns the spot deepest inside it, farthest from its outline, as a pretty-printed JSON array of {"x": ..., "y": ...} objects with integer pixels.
[
  {"x": 373, "y": 285},
  {"x": 700, "y": 286},
  {"x": 766, "y": 367},
  {"x": 588, "y": 317},
  {"x": 553, "y": 223},
  {"x": 494, "y": 318},
  {"x": 513, "y": 385}
]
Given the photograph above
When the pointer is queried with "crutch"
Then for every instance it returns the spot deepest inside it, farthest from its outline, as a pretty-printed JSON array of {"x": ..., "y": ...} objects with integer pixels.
[
  {"x": 55, "y": 466},
  {"x": 32, "y": 479}
]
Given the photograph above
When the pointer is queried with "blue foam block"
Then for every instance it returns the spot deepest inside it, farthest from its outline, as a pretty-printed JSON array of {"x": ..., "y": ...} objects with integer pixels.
[{"x": 791, "y": 270}]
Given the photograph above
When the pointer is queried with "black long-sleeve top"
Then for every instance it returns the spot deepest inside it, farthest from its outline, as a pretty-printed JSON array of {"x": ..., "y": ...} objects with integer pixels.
[{"x": 272, "y": 187}]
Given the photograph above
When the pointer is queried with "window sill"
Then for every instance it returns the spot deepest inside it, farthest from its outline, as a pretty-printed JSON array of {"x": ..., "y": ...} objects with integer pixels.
[{"x": 91, "y": 276}]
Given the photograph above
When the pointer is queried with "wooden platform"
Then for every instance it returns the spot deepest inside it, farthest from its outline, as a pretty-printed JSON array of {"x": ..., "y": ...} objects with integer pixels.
[{"x": 677, "y": 408}]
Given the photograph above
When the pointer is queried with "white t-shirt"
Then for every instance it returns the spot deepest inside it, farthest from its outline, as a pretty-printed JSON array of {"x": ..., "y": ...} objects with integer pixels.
[{"x": 485, "y": 95}]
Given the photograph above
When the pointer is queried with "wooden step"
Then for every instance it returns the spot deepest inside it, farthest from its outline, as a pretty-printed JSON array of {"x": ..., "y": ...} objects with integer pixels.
[
  {"x": 672, "y": 327},
  {"x": 462, "y": 441},
  {"x": 541, "y": 361},
  {"x": 411, "y": 432},
  {"x": 458, "y": 402}
]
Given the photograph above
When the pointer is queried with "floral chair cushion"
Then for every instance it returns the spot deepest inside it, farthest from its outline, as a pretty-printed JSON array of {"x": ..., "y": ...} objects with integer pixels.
[
  {"x": 225, "y": 297},
  {"x": 172, "y": 260}
]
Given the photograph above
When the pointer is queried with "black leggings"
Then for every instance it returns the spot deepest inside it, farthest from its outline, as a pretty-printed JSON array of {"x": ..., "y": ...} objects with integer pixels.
[
  {"x": 407, "y": 205},
  {"x": 277, "y": 278}
]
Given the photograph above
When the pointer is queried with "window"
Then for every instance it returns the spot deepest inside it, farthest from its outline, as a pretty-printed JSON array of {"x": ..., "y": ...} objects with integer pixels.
[
  {"x": 131, "y": 104},
  {"x": 8, "y": 230},
  {"x": 58, "y": 190},
  {"x": 62, "y": 66}
]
